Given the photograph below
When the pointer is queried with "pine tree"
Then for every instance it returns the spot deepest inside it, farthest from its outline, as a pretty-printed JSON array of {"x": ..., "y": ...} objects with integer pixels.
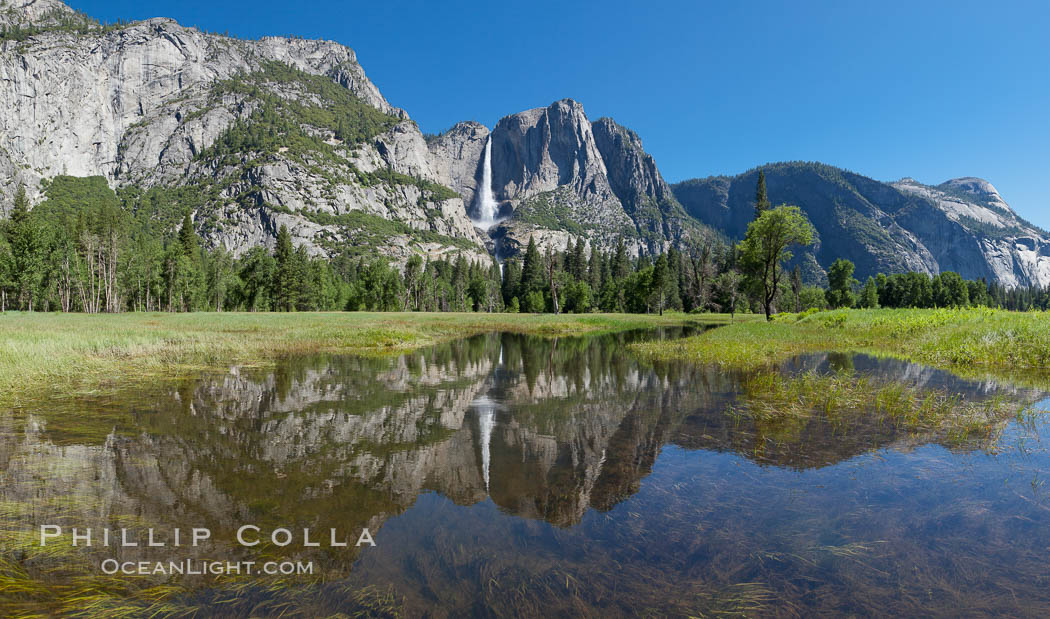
[
  {"x": 283, "y": 295},
  {"x": 621, "y": 266},
  {"x": 761, "y": 198},
  {"x": 26, "y": 239},
  {"x": 579, "y": 261},
  {"x": 511, "y": 280},
  {"x": 594, "y": 270},
  {"x": 532, "y": 271},
  {"x": 188, "y": 237},
  {"x": 869, "y": 296},
  {"x": 659, "y": 281}
]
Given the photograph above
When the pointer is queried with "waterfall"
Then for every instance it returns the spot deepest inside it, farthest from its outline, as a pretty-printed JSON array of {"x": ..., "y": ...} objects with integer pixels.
[
  {"x": 486, "y": 421},
  {"x": 485, "y": 200}
]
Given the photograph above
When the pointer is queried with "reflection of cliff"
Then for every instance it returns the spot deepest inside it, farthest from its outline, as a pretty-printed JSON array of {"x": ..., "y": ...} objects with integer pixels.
[{"x": 544, "y": 428}]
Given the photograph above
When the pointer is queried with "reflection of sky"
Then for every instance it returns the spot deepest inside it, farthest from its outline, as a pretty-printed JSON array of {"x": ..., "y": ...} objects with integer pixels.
[{"x": 605, "y": 481}]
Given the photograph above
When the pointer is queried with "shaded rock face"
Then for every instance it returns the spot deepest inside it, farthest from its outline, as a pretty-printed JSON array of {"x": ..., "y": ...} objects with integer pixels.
[
  {"x": 545, "y": 148},
  {"x": 560, "y": 178},
  {"x": 456, "y": 157},
  {"x": 138, "y": 106},
  {"x": 546, "y": 166},
  {"x": 637, "y": 182},
  {"x": 962, "y": 225}
]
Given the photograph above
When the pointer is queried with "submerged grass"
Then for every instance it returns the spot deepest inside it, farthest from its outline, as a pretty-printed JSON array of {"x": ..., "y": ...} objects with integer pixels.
[
  {"x": 78, "y": 351},
  {"x": 963, "y": 340},
  {"x": 845, "y": 399}
]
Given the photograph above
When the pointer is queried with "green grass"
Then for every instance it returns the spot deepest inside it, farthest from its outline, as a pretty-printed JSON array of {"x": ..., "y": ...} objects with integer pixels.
[
  {"x": 966, "y": 341},
  {"x": 69, "y": 352},
  {"x": 846, "y": 400}
]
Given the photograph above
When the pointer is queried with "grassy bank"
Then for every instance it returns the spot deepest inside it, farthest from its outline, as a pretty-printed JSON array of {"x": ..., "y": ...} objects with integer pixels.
[
  {"x": 80, "y": 351},
  {"x": 962, "y": 340}
]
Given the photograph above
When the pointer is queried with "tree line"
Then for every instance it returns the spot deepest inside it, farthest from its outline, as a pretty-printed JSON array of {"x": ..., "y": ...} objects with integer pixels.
[{"x": 84, "y": 250}]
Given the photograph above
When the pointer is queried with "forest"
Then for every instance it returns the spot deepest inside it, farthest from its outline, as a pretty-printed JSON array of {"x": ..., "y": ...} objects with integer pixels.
[{"x": 86, "y": 249}]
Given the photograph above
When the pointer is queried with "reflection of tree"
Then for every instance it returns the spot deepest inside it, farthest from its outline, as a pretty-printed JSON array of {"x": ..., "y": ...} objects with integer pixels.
[{"x": 334, "y": 441}]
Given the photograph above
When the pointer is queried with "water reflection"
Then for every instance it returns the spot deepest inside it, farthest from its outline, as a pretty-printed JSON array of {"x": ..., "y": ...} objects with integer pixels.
[{"x": 507, "y": 473}]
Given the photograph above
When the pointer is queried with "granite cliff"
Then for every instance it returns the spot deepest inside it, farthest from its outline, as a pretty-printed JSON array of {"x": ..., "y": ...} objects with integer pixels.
[
  {"x": 259, "y": 133},
  {"x": 962, "y": 225},
  {"x": 250, "y": 135}
]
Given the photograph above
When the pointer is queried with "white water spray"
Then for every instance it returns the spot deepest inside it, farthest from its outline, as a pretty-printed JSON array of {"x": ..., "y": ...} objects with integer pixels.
[{"x": 486, "y": 200}]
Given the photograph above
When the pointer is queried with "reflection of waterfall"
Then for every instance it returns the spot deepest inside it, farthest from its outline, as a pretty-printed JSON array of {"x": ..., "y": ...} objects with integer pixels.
[
  {"x": 486, "y": 421},
  {"x": 485, "y": 200}
]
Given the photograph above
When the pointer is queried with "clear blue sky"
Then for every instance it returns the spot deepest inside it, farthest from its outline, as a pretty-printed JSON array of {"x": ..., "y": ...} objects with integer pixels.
[{"x": 933, "y": 90}]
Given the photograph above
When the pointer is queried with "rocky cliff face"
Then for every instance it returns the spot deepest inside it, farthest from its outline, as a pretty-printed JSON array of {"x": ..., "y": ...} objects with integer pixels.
[
  {"x": 142, "y": 105},
  {"x": 456, "y": 157},
  {"x": 253, "y": 135},
  {"x": 247, "y": 129},
  {"x": 962, "y": 225},
  {"x": 547, "y": 168},
  {"x": 970, "y": 228},
  {"x": 559, "y": 177},
  {"x": 637, "y": 182}
]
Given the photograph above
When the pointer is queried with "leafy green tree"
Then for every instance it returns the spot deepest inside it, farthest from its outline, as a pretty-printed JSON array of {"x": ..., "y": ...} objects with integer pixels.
[
  {"x": 413, "y": 282},
  {"x": 953, "y": 291},
  {"x": 220, "y": 278},
  {"x": 767, "y": 246},
  {"x": 841, "y": 284},
  {"x": 577, "y": 297},
  {"x": 534, "y": 302},
  {"x": 813, "y": 297}
]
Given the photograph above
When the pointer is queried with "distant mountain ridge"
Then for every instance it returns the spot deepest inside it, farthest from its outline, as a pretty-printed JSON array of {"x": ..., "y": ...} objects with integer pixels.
[
  {"x": 252, "y": 135},
  {"x": 962, "y": 225}
]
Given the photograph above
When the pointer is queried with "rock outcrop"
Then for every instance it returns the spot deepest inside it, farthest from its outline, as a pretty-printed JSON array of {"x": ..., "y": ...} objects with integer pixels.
[
  {"x": 144, "y": 105},
  {"x": 559, "y": 177},
  {"x": 456, "y": 157},
  {"x": 962, "y": 225},
  {"x": 254, "y": 135}
]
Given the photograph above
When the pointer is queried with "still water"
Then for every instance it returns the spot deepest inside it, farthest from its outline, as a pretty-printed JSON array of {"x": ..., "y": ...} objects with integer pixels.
[{"x": 519, "y": 476}]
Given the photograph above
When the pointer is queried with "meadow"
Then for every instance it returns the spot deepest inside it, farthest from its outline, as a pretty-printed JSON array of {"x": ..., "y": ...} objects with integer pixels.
[
  {"x": 70, "y": 352},
  {"x": 972, "y": 341}
]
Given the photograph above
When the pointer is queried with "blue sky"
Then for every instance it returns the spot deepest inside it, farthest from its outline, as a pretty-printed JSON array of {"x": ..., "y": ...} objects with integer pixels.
[{"x": 933, "y": 90}]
